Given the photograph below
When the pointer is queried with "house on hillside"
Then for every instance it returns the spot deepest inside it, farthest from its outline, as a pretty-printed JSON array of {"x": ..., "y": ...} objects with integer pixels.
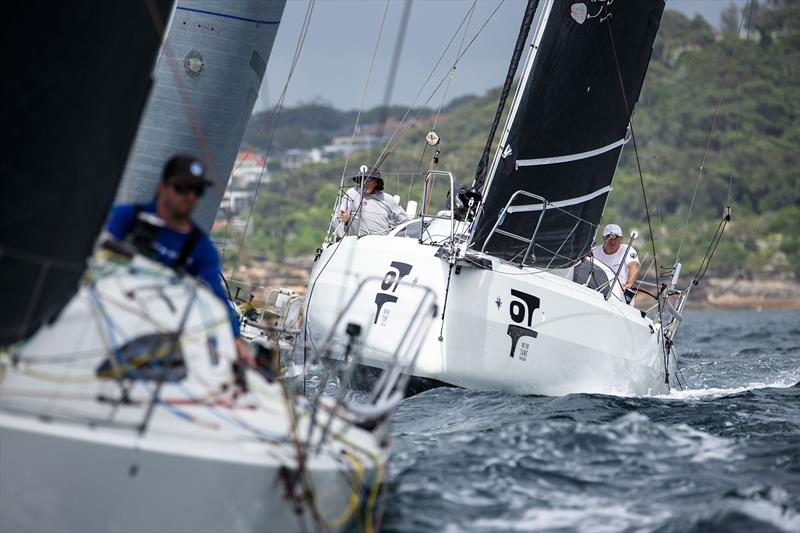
[
  {"x": 247, "y": 170},
  {"x": 344, "y": 144},
  {"x": 295, "y": 157}
]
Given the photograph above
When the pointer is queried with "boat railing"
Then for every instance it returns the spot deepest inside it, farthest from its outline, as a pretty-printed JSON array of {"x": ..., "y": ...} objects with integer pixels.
[
  {"x": 546, "y": 208},
  {"x": 343, "y": 347},
  {"x": 509, "y": 210},
  {"x": 427, "y": 188}
]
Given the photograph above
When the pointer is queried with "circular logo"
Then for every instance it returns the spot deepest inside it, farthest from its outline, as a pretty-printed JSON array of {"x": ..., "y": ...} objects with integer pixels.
[{"x": 193, "y": 64}]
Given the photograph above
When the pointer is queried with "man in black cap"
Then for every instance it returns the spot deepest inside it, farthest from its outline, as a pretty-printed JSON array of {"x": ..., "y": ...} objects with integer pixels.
[
  {"x": 374, "y": 213},
  {"x": 179, "y": 243}
]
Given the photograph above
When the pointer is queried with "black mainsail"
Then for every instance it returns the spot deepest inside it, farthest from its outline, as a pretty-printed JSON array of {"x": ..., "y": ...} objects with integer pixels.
[
  {"x": 566, "y": 129},
  {"x": 79, "y": 74}
]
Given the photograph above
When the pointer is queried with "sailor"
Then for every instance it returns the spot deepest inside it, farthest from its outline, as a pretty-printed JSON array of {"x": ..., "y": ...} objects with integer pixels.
[
  {"x": 612, "y": 254},
  {"x": 180, "y": 243},
  {"x": 378, "y": 212}
]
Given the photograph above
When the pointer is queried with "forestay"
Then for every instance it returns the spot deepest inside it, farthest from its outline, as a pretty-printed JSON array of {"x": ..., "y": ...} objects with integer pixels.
[{"x": 566, "y": 129}]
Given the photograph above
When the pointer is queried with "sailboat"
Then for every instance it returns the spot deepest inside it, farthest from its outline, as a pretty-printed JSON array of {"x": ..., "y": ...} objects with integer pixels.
[
  {"x": 122, "y": 404},
  {"x": 524, "y": 308}
]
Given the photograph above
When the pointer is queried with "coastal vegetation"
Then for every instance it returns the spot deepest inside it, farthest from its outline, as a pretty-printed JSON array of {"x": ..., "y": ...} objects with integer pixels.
[{"x": 716, "y": 125}]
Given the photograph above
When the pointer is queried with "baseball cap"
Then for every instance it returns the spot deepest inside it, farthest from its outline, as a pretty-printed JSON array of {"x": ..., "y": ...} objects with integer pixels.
[
  {"x": 612, "y": 229},
  {"x": 187, "y": 168}
]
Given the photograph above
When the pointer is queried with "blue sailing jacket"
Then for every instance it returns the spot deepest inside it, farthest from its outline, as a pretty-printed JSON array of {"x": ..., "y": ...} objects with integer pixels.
[{"x": 203, "y": 262}]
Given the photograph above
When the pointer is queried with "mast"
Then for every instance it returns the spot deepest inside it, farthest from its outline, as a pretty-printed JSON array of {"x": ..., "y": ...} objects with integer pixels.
[
  {"x": 207, "y": 80},
  {"x": 566, "y": 129}
]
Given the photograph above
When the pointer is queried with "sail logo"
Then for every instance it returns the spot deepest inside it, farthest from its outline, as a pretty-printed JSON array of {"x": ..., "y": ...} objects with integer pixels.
[
  {"x": 521, "y": 311},
  {"x": 579, "y": 12},
  {"x": 397, "y": 271}
]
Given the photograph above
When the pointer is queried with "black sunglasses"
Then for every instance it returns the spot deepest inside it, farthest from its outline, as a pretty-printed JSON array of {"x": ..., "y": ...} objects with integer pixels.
[{"x": 186, "y": 188}]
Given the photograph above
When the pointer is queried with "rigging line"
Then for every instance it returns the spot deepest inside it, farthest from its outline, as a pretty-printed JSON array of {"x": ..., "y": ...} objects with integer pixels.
[
  {"x": 364, "y": 92},
  {"x": 276, "y": 111},
  {"x": 419, "y": 168},
  {"x": 644, "y": 197},
  {"x": 712, "y": 248},
  {"x": 398, "y": 48},
  {"x": 340, "y": 197},
  {"x": 713, "y": 127},
  {"x": 451, "y": 74},
  {"x": 733, "y": 163},
  {"x": 519, "y": 47},
  {"x": 470, "y": 12},
  {"x": 388, "y": 149}
]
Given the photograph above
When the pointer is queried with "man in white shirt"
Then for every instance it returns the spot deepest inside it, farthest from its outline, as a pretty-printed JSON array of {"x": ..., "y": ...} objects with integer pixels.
[
  {"x": 612, "y": 254},
  {"x": 378, "y": 212}
]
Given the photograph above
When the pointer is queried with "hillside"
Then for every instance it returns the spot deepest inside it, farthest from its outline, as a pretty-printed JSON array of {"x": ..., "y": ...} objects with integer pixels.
[{"x": 747, "y": 117}]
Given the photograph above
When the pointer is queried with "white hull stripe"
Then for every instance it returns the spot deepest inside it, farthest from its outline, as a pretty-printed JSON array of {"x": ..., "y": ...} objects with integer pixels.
[
  {"x": 571, "y": 157},
  {"x": 560, "y": 203}
]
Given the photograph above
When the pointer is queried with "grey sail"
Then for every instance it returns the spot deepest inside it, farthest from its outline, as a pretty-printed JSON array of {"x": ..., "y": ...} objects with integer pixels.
[{"x": 206, "y": 82}]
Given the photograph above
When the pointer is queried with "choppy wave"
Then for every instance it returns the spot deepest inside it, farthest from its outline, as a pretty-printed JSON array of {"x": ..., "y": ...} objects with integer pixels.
[{"x": 722, "y": 455}]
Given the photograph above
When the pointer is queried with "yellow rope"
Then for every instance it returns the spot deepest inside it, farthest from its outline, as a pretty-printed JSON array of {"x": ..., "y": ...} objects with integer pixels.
[{"x": 352, "y": 506}]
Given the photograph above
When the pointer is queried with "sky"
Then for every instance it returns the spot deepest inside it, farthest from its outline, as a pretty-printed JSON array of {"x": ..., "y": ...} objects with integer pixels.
[{"x": 334, "y": 64}]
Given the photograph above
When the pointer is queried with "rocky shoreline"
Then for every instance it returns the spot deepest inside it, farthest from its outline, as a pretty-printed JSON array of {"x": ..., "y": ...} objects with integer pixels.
[
  {"x": 737, "y": 293},
  {"x": 712, "y": 293}
]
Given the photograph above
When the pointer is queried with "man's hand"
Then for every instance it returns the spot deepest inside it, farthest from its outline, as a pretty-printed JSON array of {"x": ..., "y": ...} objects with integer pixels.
[
  {"x": 243, "y": 353},
  {"x": 344, "y": 216}
]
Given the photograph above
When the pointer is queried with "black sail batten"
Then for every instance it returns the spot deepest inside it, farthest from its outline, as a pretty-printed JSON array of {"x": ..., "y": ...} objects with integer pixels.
[
  {"x": 566, "y": 130},
  {"x": 522, "y": 38},
  {"x": 79, "y": 78}
]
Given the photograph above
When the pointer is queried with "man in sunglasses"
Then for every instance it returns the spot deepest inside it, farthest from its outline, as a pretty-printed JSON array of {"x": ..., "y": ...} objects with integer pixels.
[{"x": 179, "y": 243}]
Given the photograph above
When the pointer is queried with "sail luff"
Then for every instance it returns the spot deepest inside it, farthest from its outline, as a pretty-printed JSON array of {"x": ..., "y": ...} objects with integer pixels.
[
  {"x": 530, "y": 10},
  {"x": 529, "y": 61}
]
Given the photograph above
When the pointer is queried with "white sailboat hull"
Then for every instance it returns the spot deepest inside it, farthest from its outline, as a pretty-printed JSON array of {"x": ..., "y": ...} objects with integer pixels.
[
  {"x": 569, "y": 338},
  {"x": 83, "y": 451},
  {"x": 57, "y": 477}
]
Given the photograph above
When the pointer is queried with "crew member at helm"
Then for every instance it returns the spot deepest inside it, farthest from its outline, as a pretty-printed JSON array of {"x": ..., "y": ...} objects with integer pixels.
[
  {"x": 613, "y": 254},
  {"x": 373, "y": 213}
]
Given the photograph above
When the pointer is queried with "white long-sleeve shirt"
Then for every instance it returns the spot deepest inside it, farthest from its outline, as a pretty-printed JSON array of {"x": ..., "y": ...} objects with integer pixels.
[{"x": 379, "y": 212}]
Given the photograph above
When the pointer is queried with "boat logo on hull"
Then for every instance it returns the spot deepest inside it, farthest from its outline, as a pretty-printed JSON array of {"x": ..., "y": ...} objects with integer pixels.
[
  {"x": 521, "y": 311},
  {"x": 397, "y": 271}
]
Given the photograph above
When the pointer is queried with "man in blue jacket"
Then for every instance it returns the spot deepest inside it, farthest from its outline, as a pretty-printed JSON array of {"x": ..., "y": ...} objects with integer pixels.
[{"x": 180, "y": 243}]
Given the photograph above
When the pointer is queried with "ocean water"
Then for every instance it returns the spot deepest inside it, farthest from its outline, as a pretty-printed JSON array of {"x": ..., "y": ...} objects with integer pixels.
[{"x": 721, "y": 455}]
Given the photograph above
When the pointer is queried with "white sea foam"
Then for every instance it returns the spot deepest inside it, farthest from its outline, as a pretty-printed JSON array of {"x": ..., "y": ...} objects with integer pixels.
[
  {"x": 588, "y": 514},
  {"x": 678, "y": 440},
  {"x": 697, "y": 394},
  {"x": 767, "y": 504}
]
